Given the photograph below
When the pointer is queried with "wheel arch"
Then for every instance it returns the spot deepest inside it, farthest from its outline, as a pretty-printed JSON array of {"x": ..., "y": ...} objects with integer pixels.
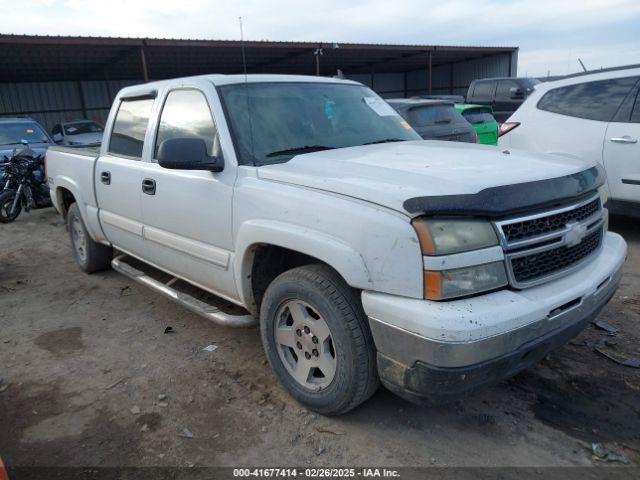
[
  {"x": 265, "y": 249},
  {"x": 67, "y": 192}
]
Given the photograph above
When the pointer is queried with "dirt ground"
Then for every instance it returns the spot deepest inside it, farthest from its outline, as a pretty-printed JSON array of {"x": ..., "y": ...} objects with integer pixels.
[{"x": 84, "y": 359}]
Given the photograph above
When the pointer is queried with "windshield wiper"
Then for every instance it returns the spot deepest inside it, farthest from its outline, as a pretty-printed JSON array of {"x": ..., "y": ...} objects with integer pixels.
[
  {"x": 386, "y": 140},
  {"x": 296, "y": 150}
]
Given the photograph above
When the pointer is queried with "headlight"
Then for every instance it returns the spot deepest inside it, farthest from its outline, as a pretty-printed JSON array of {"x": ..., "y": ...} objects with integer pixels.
[
  {"x": 462, "y": 282},
  {"x": 456, "y": 236},
  {"x": 443, "y": 237},
  {"x": 603, "y": 191}
]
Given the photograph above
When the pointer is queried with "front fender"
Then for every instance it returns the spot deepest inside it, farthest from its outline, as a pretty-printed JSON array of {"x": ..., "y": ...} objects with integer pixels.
[{"x": 332, "y": 251}]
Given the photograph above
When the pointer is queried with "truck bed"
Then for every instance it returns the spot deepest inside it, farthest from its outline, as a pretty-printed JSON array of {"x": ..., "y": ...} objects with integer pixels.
[{"x": 87, "y": 151}]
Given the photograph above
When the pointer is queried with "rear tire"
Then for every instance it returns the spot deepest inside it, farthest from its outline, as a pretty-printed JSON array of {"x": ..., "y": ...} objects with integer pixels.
[
  {"x": 317, "y": 339},
  {"x": 90, "y": 256},
  {"x": 6, "y": 202}
]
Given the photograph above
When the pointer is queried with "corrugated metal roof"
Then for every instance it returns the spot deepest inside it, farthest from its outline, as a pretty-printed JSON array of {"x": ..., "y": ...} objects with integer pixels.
[{"x": 50, "y": 58}]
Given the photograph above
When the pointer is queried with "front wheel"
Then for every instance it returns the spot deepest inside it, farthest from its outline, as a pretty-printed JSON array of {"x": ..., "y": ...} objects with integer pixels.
[
  {"x": 317, "y": 339},
  {"x": 7, "y": 199}
]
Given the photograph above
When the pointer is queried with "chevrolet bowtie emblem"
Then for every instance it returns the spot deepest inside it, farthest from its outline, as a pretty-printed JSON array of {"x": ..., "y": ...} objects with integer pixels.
[{"x": 575, "y": 234}]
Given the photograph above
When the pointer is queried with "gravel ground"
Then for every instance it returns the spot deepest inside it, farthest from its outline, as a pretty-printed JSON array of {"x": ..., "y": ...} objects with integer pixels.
[{"x": 91, "y": 379}]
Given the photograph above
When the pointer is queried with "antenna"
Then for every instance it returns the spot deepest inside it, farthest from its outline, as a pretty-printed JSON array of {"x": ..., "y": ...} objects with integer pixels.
[
  {"x": 246, "y": 89},
  {"x": 582, "y": 65},
  {"x": 244, "y": 58}
]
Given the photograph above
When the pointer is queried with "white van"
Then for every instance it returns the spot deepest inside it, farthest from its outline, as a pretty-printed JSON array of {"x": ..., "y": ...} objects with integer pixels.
[{"x": 593, "y": 116}]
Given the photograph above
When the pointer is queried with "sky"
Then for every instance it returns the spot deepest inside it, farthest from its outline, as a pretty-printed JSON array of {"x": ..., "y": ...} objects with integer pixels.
[{"x": 551, "y": 34}]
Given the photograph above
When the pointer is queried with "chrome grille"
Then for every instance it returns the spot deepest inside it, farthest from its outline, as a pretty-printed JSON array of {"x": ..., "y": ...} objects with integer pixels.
[
  {"x": 551, "y": 223},
  {"x": 547, "y": 245},
  {"x": 541, "y": 264}
]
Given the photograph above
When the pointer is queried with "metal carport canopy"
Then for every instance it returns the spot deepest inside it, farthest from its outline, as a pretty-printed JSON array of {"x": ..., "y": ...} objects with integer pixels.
[{"x": 27, "y": 58}]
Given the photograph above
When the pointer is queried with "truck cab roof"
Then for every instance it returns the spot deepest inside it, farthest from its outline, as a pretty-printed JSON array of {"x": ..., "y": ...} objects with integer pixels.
[{"x": 219, "y": 80}]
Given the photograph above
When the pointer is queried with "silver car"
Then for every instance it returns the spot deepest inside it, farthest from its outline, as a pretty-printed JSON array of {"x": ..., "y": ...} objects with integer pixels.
[{"x": 78, "y": 132}]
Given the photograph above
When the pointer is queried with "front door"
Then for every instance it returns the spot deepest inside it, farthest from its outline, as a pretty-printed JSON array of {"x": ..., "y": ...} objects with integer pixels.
[
  {"x": 118, "y": 175},
  {"x": 621, "y": 151},
  {"x": 187, "y": 213}
]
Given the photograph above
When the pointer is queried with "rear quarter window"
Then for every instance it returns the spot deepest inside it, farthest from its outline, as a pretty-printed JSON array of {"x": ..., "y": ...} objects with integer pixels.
[
  {"x": 483, "y": 89},
  {"x": 591, "y": 100}
]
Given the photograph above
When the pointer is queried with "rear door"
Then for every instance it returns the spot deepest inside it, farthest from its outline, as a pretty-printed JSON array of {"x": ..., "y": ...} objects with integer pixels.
[
  {"x": 503, "y": 104},
  {"x": 118, "y": 175},
  {"x": 187, "y": 215},
  {"x": 622, "y": 150}
]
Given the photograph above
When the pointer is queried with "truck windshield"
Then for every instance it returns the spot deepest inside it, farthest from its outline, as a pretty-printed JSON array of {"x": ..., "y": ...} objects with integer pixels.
[
  {"x": 13, "y": 133},
  {"x": 273, "y": 122}
]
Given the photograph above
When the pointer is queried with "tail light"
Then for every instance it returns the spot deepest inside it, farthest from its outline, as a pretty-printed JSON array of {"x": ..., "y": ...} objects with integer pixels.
[
  {"x": 507, "y": 127},
  {"x": 44, "y": 170}
]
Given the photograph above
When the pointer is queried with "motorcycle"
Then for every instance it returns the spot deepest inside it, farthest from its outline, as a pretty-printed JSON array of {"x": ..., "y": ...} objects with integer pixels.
[{"x": 24, "y": 185}]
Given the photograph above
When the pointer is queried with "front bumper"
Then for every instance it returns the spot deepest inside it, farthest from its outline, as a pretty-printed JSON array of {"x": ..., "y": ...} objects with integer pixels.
[{"x": 438, "y": 351}]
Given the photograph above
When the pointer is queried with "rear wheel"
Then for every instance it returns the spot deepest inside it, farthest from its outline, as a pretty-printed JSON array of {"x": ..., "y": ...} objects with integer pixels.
[
  {"x": 6, "y": 203},
  {"x": 317, "y": 339},
  {"x": 90, "y": 256}
]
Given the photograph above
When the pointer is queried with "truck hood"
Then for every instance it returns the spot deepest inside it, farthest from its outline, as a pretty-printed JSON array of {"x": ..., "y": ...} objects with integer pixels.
[{"x": 391, "y": 174}]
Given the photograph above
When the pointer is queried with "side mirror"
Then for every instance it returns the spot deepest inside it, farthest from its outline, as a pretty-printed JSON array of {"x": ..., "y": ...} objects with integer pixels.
[
  {"x": 188, "y": 154},
  {"x": 516, "y": 93},
  {"x": 57, "y": 137}
]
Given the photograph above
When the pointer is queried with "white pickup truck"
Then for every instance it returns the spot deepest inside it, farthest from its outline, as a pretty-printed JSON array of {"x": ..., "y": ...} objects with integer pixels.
[{"x": 365, "y": 253}]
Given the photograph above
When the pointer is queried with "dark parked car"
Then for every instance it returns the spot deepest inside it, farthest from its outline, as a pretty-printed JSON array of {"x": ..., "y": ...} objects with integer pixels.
[
  {"x": 16, "y": 131},
  {"x": 451, "y": 98},
  {"x": 435, "y": 119},
  {"x": 505, "y": 95}
]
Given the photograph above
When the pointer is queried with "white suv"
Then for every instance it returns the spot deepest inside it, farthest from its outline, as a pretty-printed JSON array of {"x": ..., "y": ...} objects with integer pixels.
[{"x": 592, "y": 116}]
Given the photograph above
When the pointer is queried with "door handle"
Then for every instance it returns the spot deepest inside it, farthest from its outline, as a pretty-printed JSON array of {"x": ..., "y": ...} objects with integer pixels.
[
  {"x": 149, "y": 186},
  {"x": 105, "y": 177},
  {"x": 625, "y": 139}
]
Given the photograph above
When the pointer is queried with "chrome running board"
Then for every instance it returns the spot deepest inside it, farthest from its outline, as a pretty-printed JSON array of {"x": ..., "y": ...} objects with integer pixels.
[{"x": 207, "y": 310}]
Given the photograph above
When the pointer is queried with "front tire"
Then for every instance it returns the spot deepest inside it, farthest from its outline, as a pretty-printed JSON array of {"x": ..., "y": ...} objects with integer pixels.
[
  {"x": 6, "y": 202},
  {"x": 90, "y": 256},
  {"x": 317, "y": 339}
]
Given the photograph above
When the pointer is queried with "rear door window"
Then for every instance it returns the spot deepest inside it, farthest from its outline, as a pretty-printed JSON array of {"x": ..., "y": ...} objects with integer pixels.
[
  {"x": 591, "y": 100},
  {"x": 433, "y": 115},
  {"x": 477, "y": 117},
  {"x": 130, "y": 127}
]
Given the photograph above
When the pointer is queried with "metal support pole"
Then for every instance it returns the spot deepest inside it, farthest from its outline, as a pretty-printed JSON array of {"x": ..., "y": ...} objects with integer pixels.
[
  {"x": 143, "y": 60},
  {"x": 107, "y": 89},
  {"x": 317, "y": 53},
  {"x": 372, "y": 76},
  {"x": 430, "y": 74},
  {"x": 83, "y": 104},
  {"x": 451, "y": 78},
  {"x": 405, "y": 84}
]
